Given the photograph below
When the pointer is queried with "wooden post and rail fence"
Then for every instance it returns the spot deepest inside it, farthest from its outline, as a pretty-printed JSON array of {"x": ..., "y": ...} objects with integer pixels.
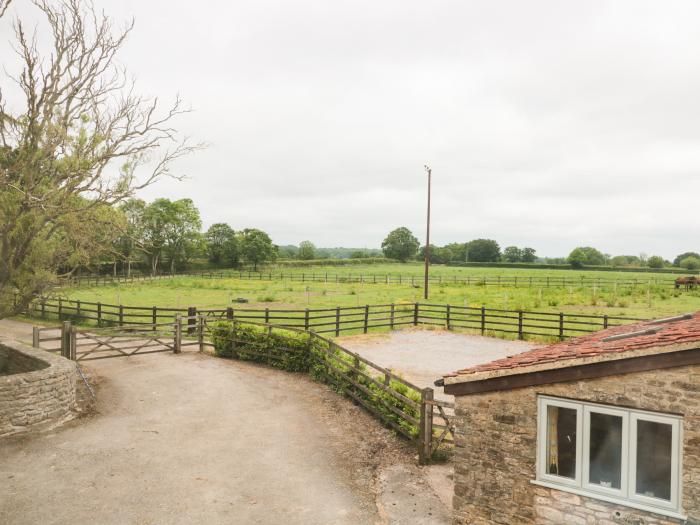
[{"x": 410, "y": 410}]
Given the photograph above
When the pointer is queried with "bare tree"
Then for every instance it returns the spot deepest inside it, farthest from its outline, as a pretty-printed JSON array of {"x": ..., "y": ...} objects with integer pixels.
[{"x": 82, "y": 140}]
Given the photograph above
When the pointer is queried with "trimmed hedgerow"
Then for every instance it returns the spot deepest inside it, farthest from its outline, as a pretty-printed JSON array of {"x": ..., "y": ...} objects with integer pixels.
[{"x": 302, "y": 352}]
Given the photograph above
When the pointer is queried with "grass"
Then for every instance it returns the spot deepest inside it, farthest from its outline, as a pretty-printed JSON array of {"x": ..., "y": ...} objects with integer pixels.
[{"x": 640, "y": 301}]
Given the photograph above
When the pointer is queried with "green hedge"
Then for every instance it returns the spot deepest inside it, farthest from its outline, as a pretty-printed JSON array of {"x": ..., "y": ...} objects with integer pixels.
[
  {"x": 541, "y": 266},
  {"x": 302, "y": 352},
  {"x": 332, "y": 262}
]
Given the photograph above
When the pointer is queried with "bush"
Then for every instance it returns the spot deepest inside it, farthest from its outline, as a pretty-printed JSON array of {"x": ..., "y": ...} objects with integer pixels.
[{"x": 690, "y": 263}]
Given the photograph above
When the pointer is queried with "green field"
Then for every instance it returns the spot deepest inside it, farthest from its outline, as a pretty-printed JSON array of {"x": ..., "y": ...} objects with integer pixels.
[{"x": 642, "y": 300}]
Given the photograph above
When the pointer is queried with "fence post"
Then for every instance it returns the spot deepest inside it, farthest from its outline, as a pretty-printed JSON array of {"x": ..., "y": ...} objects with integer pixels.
[
  {"x": 267, "y": 315},
  {"x": 483, "y": 319},
  {"x": 65, "y": 339},
  {"x": 229, "y": 313},
  {"x": 391, "y": 321},
  {"x": 154, "y": 317},
  {"x": 605, "y": 321},
  {"x": 200, "y": 332},
  {"x": 121, "y": 315},
  {"x": 99, "y": 314},
  {"x": 77, "y": 309},
  {"x": 365, "y": 327},
  {"x": 35, "y": 336},
  {"x": 447, "y": 316},
  {"x": 306, "y": 319},
  {"x": 415, "y": 314},
  {"x": 561, "y": 326},
  {"x": 60, "y": 308},
  {"x": 43, "y": 308},
  {"x": 73, "y": 343},
  {"x": 177, "y": 347},
  {"x": 337, "y": 321},
  {"x": 191, "y": 319},
  {"x": 520, "y": 325},
  {"x": 425, "y": 432}
]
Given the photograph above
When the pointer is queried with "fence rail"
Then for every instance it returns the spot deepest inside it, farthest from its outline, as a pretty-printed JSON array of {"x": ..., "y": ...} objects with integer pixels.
[
  {"x": 341, "y": 320},
  {"x": 413, "y": 280}
]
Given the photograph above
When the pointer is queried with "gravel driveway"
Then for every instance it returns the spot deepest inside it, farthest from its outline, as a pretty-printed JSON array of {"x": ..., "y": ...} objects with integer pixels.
[{"x": 195, "y": 439}]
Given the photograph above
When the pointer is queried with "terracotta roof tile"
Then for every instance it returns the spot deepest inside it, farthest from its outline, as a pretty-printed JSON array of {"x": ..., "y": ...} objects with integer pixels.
[{"x": 668, "y": 333}]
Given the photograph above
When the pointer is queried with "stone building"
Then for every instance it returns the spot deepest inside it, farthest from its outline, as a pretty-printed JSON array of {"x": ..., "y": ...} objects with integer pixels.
[{"x": 599, "y": 430}]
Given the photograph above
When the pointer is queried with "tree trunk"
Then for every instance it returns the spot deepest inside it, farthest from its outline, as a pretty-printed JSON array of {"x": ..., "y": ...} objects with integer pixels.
[{"x": 128, "y": 268}]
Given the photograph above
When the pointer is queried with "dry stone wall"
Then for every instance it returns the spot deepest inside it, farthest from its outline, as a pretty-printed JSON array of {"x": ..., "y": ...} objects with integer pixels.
[{"x": 37, "y": 389}]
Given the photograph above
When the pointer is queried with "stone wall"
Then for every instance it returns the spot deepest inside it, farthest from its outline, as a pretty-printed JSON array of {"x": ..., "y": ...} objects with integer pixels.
[
  {"x": 496, "y": 451},
  {"x": 36, "y": 399}
]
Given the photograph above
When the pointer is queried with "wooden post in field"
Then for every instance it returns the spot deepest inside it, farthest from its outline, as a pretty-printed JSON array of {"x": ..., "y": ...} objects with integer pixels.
[
  {"x": 425, "y": 431},
  {"x": 35, "y": 336},
  {"x": 520, "y": 325},
  {"x": 200, "y": 332},
  {"x": 267, "y": 315},
  {"x": 415, "y": 314},
  {"x": 306, "y": 319},
  {"x": 366, "y": 318},
  {"x": 177, "y": 347},
  {"x": 447, "y": 316},
  {"x": 154, "y": 317},
  {"x": 561, "y": 326},
  {"x": 121, "y": 315},
  {"x": 77, "y": 309},
  {"x": 99, "y": 314},
  {"x": 391, "y": 320},
  {"x": 73, "y": 346},
  {"x": 229, "y": 313},
  {"x": 337, "y": 320},
  {"x": 483, "y": 320},
  {"x": 605, "y": 321}
]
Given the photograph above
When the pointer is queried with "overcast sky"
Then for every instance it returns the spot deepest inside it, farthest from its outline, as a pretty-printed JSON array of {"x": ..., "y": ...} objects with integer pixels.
[{"x": 547, "y": 124}]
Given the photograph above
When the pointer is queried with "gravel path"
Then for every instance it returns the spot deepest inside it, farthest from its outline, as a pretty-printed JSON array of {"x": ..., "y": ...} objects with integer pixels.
[{"x": 190, "y": 439}]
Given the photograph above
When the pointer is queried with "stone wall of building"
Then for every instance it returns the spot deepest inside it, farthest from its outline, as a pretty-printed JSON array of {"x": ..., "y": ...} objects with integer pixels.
[
  {"x": 41, "y": 397},
  {"x": 496, "y": 451}
]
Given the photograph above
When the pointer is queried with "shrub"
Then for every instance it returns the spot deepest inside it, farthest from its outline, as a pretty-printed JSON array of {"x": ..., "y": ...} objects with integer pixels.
[{"x": 301, "y": 352}]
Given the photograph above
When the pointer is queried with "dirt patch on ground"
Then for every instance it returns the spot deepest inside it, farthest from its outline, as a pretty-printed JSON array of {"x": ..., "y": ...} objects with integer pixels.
[{"x": 195, "y": 439}]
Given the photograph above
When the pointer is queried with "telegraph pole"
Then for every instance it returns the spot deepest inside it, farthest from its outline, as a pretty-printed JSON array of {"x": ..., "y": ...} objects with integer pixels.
[{"x": 427, "y": 237}]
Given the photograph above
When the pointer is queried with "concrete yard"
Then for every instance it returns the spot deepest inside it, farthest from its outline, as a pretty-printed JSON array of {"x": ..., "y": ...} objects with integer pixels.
[{"x": 423, "y": 355}]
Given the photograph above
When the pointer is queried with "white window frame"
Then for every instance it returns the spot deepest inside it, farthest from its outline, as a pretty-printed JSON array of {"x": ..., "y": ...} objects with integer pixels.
[
  {"x": 626, "y": 494},
  {"x": 542, "y": 443},
  {"x": 586, "y": 438},
  {"x": 676, "y": 460}
]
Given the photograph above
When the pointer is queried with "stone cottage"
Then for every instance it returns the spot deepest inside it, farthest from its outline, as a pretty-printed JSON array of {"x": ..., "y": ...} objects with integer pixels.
[{"x": 598, "y": 430}]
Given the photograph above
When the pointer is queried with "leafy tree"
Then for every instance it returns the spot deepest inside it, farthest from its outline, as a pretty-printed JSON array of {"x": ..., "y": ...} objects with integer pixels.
[
  {"x": 529, "y": 255},
  {"x": 360, "y": 254},
  {"x": 679, "y": 258},
  {"x": 458, "y": 251},
  {"x": 512, "y": 254},
  {"x": 171, "y": 229},
  {"x": 288, "y": 251},
  {"x": 400, "y": 244},
  {"x": 625, "y": 260},
  {"x": 691, "y": 263},
  {"x": 437, "y": 255},
  {"x": 75, "y": 140},
  {"x": 222, "y": 244},
  {"x": 655, "y": 261},
  {"x": 483, "y": 250},
  {"x": 585, "y": 256},
  {"x": 131, "y": 242},
  {"x": 256, "y": 247},
  {"x": 307, "y": 251}
]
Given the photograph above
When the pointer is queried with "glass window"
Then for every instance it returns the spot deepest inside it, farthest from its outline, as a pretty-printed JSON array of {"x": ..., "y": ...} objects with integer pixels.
[
  {"x": 561, "y": 441},
  {"x": 605, "y": 450},
  {"x": 654, "y": 459},
  {"x": 621, "y": 455}
]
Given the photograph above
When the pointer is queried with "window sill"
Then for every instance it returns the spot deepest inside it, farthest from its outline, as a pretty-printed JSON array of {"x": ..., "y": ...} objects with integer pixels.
[{"x": 623, "y": 503}]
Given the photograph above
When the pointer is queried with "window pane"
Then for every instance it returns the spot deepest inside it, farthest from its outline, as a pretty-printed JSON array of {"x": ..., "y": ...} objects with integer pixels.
[
  {"x": 605, "y": 451},
  {"x": 561, "y": 441},
  {"x": 654, "y": 446}
]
